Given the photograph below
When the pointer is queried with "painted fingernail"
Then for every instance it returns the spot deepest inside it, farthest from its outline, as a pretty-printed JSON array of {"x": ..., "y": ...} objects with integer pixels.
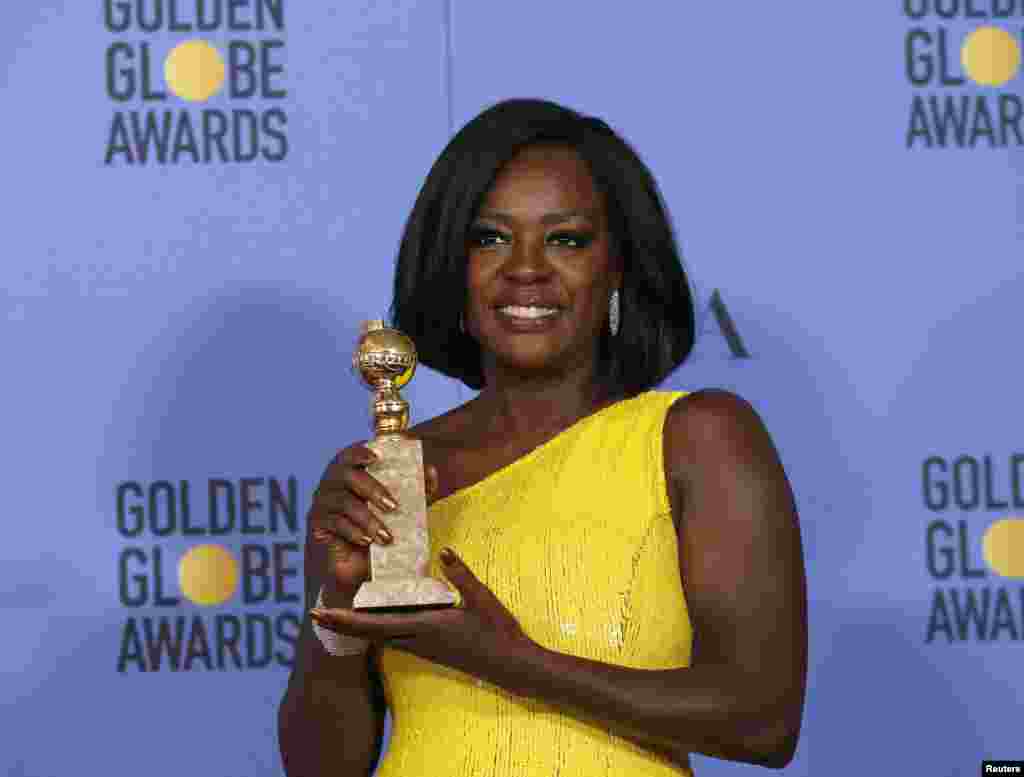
[
  {"x": 384, "y": 535},
  {"x": 389, "y": 503}
]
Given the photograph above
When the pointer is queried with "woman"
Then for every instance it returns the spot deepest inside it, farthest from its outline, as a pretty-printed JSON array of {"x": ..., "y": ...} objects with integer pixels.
[{"x": 629, "y": 561}]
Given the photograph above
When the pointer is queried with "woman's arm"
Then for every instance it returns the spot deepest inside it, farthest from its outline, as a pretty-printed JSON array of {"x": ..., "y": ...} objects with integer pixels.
[
  {"x": 743, "y": 575},
  {"x": 331, "y": 719}
]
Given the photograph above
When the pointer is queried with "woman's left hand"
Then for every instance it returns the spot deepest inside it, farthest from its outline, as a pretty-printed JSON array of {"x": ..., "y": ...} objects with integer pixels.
[{"x": 480, "y": 637}]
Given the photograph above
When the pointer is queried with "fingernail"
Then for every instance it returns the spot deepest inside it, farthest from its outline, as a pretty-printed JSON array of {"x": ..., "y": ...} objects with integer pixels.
[
  {"x": 367, "y": 540},
  {"x": 448, "y": 556},
  {"x": 384, "y": 535},
  {"x": 316, "y": 612},
  {"x": 389, "y": 503}
]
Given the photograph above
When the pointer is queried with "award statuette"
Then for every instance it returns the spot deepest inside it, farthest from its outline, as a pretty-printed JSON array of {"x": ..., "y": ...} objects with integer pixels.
[{"x": 386, "y": 360}]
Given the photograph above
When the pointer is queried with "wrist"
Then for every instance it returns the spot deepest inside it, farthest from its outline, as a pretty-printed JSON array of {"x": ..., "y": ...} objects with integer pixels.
[
  {"x": 522, "y": 665},
  {"x": 335, "y": 597},
  {"x": 338, "y": 644}
]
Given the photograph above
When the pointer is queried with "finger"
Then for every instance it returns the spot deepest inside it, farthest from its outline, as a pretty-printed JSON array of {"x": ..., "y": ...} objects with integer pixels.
[
  {"x": 474, "y": 593},
  {"x": 374, "y": 626},
  {"x": 350, "y": 517},
  {"x": 355, "y": 508},
  {"x": 366, "y": 486},
  {"x": 432, "y": 480},
  {"x": 320, "y": 618},
  {"x": 346, "y": 503},
  {"x": 337, "y": 527},
  {"x": 360, "y": 513},
  {"x": 345, "y": 630},
  {"x": 356, "y": 455},
  {"x": 347, "y": 472}
]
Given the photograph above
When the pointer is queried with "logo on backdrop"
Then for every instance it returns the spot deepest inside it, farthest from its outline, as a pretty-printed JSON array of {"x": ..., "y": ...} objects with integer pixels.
[
  {"x": 716, "y": 320},
  {"x": 963, "y": 59},
  {"x": 974, "y": 547},
  {"x": 209, "y": 575},
  {"x": 198, "y": 82}
]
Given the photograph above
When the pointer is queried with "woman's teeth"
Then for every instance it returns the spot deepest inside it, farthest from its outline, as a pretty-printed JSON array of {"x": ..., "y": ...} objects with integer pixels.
[{"x": 517, "y": 311}]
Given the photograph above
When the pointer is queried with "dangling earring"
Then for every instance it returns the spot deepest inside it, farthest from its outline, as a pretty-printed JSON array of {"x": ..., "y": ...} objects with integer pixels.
[{"x": 613, "y": 313}]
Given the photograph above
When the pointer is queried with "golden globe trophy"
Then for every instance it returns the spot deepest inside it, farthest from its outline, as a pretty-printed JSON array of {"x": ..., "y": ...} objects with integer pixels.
[{"x": 399, "y": 581}]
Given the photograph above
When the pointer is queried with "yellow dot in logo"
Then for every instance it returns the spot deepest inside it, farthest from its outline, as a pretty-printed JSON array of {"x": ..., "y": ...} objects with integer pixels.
[
  {"x": 208, "y": 574},
  {"x": 990, "y": 56},
  {"x": 194, "y": 70},
  {"x": 1003, "y": 547}
]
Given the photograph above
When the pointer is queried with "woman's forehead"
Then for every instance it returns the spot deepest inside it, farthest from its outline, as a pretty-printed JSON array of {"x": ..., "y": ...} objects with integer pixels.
[{"x": 542, "y": 180}]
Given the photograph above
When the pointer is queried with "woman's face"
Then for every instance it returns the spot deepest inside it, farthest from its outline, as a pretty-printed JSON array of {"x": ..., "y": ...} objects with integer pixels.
[{"x": 541, "y": 265}]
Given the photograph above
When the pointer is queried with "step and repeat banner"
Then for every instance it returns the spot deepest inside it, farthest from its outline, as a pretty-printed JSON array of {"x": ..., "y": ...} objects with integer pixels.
[{"x": 203, "y": 200}]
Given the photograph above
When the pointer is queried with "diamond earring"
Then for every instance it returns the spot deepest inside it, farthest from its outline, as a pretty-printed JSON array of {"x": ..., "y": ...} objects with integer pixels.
[{"x": 613, "y": 313}]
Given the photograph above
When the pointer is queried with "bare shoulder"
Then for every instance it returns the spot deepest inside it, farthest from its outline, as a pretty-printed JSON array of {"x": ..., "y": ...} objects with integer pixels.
[{"x": 714, "y": 427}]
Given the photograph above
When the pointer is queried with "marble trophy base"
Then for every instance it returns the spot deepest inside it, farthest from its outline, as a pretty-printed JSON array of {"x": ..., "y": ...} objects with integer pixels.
[
  {"x": 403, "y": 595},
  {"x": 399, "y": 579}
]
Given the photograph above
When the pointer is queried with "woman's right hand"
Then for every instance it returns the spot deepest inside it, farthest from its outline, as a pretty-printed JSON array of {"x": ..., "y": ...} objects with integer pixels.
[{"x": 342, "y": 526}]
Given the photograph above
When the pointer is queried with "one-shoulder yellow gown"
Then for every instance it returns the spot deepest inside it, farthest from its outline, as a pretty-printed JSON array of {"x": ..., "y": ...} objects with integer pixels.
[{"x": 576, "y": 538}]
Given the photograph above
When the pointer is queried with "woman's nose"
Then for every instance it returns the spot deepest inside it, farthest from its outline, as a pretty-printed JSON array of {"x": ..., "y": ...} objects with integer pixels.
[{"x": 528, "y": 262}]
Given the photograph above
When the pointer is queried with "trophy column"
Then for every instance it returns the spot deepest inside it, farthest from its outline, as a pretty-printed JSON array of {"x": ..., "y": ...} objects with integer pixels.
[{"x": 386, "y": 360}]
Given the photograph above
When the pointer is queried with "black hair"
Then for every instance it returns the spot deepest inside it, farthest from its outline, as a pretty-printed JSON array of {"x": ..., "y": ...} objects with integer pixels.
[{"x": 656, "y": 332}]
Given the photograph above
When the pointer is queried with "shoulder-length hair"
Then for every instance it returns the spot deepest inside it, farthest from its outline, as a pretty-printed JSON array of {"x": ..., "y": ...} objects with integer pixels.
[{"x": 656, "y": 332}]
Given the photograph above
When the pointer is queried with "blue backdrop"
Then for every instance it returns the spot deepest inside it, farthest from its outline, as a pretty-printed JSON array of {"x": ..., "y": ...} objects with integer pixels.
[{"x": 189, "y": 251}]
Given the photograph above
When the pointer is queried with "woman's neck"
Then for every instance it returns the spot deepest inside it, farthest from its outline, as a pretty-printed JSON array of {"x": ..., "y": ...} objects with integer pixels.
[{"x": 534, "y": 406}]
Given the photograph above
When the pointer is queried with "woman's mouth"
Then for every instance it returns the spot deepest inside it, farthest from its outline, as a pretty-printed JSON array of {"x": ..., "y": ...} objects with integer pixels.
[
  {"x": 526, "y": 319},
  {"x": 528, "y": 312}
]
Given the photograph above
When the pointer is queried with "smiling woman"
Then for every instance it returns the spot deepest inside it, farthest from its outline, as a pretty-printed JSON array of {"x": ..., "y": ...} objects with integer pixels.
[
  {"x": 629, "y": 560},
  {"x": 599, "y": 190}
]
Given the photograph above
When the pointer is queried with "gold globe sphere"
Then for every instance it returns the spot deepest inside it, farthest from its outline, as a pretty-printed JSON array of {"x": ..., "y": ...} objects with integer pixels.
[{"x": 384, "y": 354}]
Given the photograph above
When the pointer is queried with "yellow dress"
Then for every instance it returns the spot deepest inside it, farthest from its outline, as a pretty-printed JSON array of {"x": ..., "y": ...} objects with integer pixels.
[{"x": 576, "y": 538}]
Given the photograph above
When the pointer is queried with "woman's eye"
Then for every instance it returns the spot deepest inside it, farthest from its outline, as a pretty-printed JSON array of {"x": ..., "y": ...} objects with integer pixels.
[
  {"x": 570, "y": 239},
  {"x": 487, "y": 237}
]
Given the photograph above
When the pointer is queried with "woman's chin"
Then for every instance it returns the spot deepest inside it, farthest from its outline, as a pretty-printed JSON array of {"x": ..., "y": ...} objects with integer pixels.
[{"x": 530, "y": 362}]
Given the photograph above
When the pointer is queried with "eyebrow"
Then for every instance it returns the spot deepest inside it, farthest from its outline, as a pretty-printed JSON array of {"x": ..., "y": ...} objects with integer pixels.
[{"x": 549, "y": 219}]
